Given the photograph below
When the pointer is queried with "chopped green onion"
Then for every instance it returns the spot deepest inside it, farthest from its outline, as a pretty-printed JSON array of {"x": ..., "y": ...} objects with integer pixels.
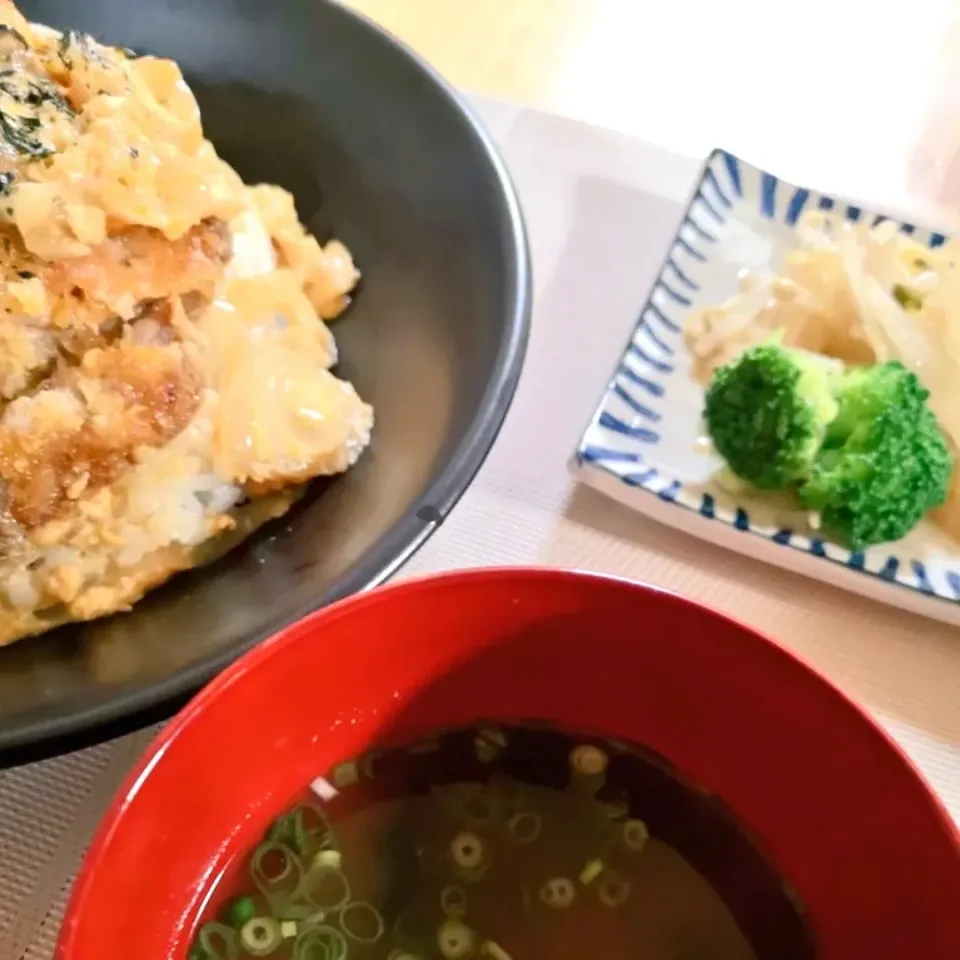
[
  {"x": 398, "y": 954},
  {"x": 361, "y": 921},
  {"x": 328, "y": 858},
  {"x": 588, "y": 760},
  {"x": 296, "y": 832},
  {"x": 493, "y": 949},
  {"x": 276, "y": 871},
  {"x": 327, "y": 888},
  {"x": 288, "y": 929},
  {"x": 467, "y": 850},
  {"x": 261, "y": 936},
  {"x": 558, "y": 893},
  {"x": 489, "y": 743},
  {"x": 591, "y": 870},
  {"x": 452, "y": 796},
  {"x": 485, "y": 752},
  {"x": 408, "y": 928},
  {"x": 910, "y": 300},
  {"x": 480, "y": 809},
  {"x": 295, "y": 911},
  {"x": 241, "y": 910},
  {"x": 524, "y": 827},
  {"x": 614, "y": 891},
  {"x": 615, "y": 808},
  {"x": 493, "y": 734},
  {"x": 367, "y": 764},
  {"x": 453, "y": 900},
  {"x": 455, "y": 940},
  {"x": 345, "y": 775},
  {"x": 510, "y": 793},
  {"x": 431, "y": 857},
  {"x": 218, "y": 941},
  {"x": 320, "y": 943},
  {"x": 588, "y": 766},
  {"x": 635, "y": 835}
]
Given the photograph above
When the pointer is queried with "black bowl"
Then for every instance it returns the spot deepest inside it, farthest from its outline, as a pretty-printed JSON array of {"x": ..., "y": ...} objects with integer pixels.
[{"x": 380, "y": 152}]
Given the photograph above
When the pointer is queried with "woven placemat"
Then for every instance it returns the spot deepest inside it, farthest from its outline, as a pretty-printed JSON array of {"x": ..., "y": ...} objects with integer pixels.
[{"x": 600, "y": 209}]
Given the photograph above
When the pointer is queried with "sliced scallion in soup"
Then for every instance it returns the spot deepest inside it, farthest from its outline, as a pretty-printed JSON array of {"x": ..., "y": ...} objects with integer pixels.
[{"x": 507, "y": 843}]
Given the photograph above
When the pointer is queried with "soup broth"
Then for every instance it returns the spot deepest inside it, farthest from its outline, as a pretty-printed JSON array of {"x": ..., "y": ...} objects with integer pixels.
[{"x": 507, "y": 843}]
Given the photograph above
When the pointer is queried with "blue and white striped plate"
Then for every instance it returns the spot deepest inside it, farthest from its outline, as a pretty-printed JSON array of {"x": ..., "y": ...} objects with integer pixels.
[{"x": 642, "y": 443}]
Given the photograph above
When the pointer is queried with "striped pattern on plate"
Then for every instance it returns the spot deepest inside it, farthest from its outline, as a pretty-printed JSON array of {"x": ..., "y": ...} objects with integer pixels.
[{"x": 642, "y": 443}]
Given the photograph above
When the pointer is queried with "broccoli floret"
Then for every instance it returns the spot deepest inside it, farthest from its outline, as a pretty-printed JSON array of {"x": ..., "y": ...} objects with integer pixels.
[
  {"x": 767, "y": 413},
  {"x": 884, "y": 463}
]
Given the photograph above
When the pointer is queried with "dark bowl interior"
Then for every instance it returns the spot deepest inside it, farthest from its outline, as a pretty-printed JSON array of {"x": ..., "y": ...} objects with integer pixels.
[{"x": 380, "y": 153}]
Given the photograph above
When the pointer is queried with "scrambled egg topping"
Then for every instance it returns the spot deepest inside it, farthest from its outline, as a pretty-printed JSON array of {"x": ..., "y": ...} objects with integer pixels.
[{"x": 164, "y": 360}]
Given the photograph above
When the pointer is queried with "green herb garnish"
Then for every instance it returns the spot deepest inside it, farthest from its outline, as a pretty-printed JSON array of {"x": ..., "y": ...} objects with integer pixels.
[{"x": 910, "y": 300}]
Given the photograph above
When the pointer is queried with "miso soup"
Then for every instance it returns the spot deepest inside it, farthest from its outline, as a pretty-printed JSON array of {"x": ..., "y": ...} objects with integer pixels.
[{"x": 505, "y": 843}]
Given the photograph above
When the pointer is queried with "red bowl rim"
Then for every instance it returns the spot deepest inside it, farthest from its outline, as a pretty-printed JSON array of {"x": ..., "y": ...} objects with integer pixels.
[{"x": 278, "y": 643}]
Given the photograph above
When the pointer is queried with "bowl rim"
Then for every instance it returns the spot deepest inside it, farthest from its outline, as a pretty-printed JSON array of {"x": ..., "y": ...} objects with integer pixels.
[
  {"x": 56, "y": 731},
  {"x": 293, "y": 634}
]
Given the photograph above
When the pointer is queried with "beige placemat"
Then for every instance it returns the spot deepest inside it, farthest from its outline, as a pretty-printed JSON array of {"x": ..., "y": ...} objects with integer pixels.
[{"x": 600, "y": 209}]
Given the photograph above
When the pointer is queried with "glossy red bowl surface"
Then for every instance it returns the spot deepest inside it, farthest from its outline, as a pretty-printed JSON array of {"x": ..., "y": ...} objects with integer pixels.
[{"x": 838, "y": 808}]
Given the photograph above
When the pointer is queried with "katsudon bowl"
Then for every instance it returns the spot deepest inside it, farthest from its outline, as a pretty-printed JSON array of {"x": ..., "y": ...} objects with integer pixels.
[{"x": 382, "y": 156}]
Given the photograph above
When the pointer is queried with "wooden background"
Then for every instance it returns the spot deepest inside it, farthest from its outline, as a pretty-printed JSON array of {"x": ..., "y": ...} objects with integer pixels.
[{"x": 854, "y": 95}]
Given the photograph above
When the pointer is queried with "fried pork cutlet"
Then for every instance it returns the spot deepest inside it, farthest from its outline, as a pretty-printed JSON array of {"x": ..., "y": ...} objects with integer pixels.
[{"x": 165, "y": 380}]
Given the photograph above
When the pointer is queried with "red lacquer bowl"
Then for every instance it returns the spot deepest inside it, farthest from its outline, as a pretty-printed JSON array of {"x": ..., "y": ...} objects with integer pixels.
[{"x": 831, "y": 800}]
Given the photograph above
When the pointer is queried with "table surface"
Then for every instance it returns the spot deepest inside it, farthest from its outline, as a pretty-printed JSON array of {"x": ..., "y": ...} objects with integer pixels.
[
  {"x": 600, "y": 208},
  {"x": 832, "y": 93}
]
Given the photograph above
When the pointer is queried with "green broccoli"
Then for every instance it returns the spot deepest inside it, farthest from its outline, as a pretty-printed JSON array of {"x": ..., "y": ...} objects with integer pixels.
[
  {"x": 884, "y": 463},
  {"x": 859, "y": 446},
  {"x": 767, "y": 413}
]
